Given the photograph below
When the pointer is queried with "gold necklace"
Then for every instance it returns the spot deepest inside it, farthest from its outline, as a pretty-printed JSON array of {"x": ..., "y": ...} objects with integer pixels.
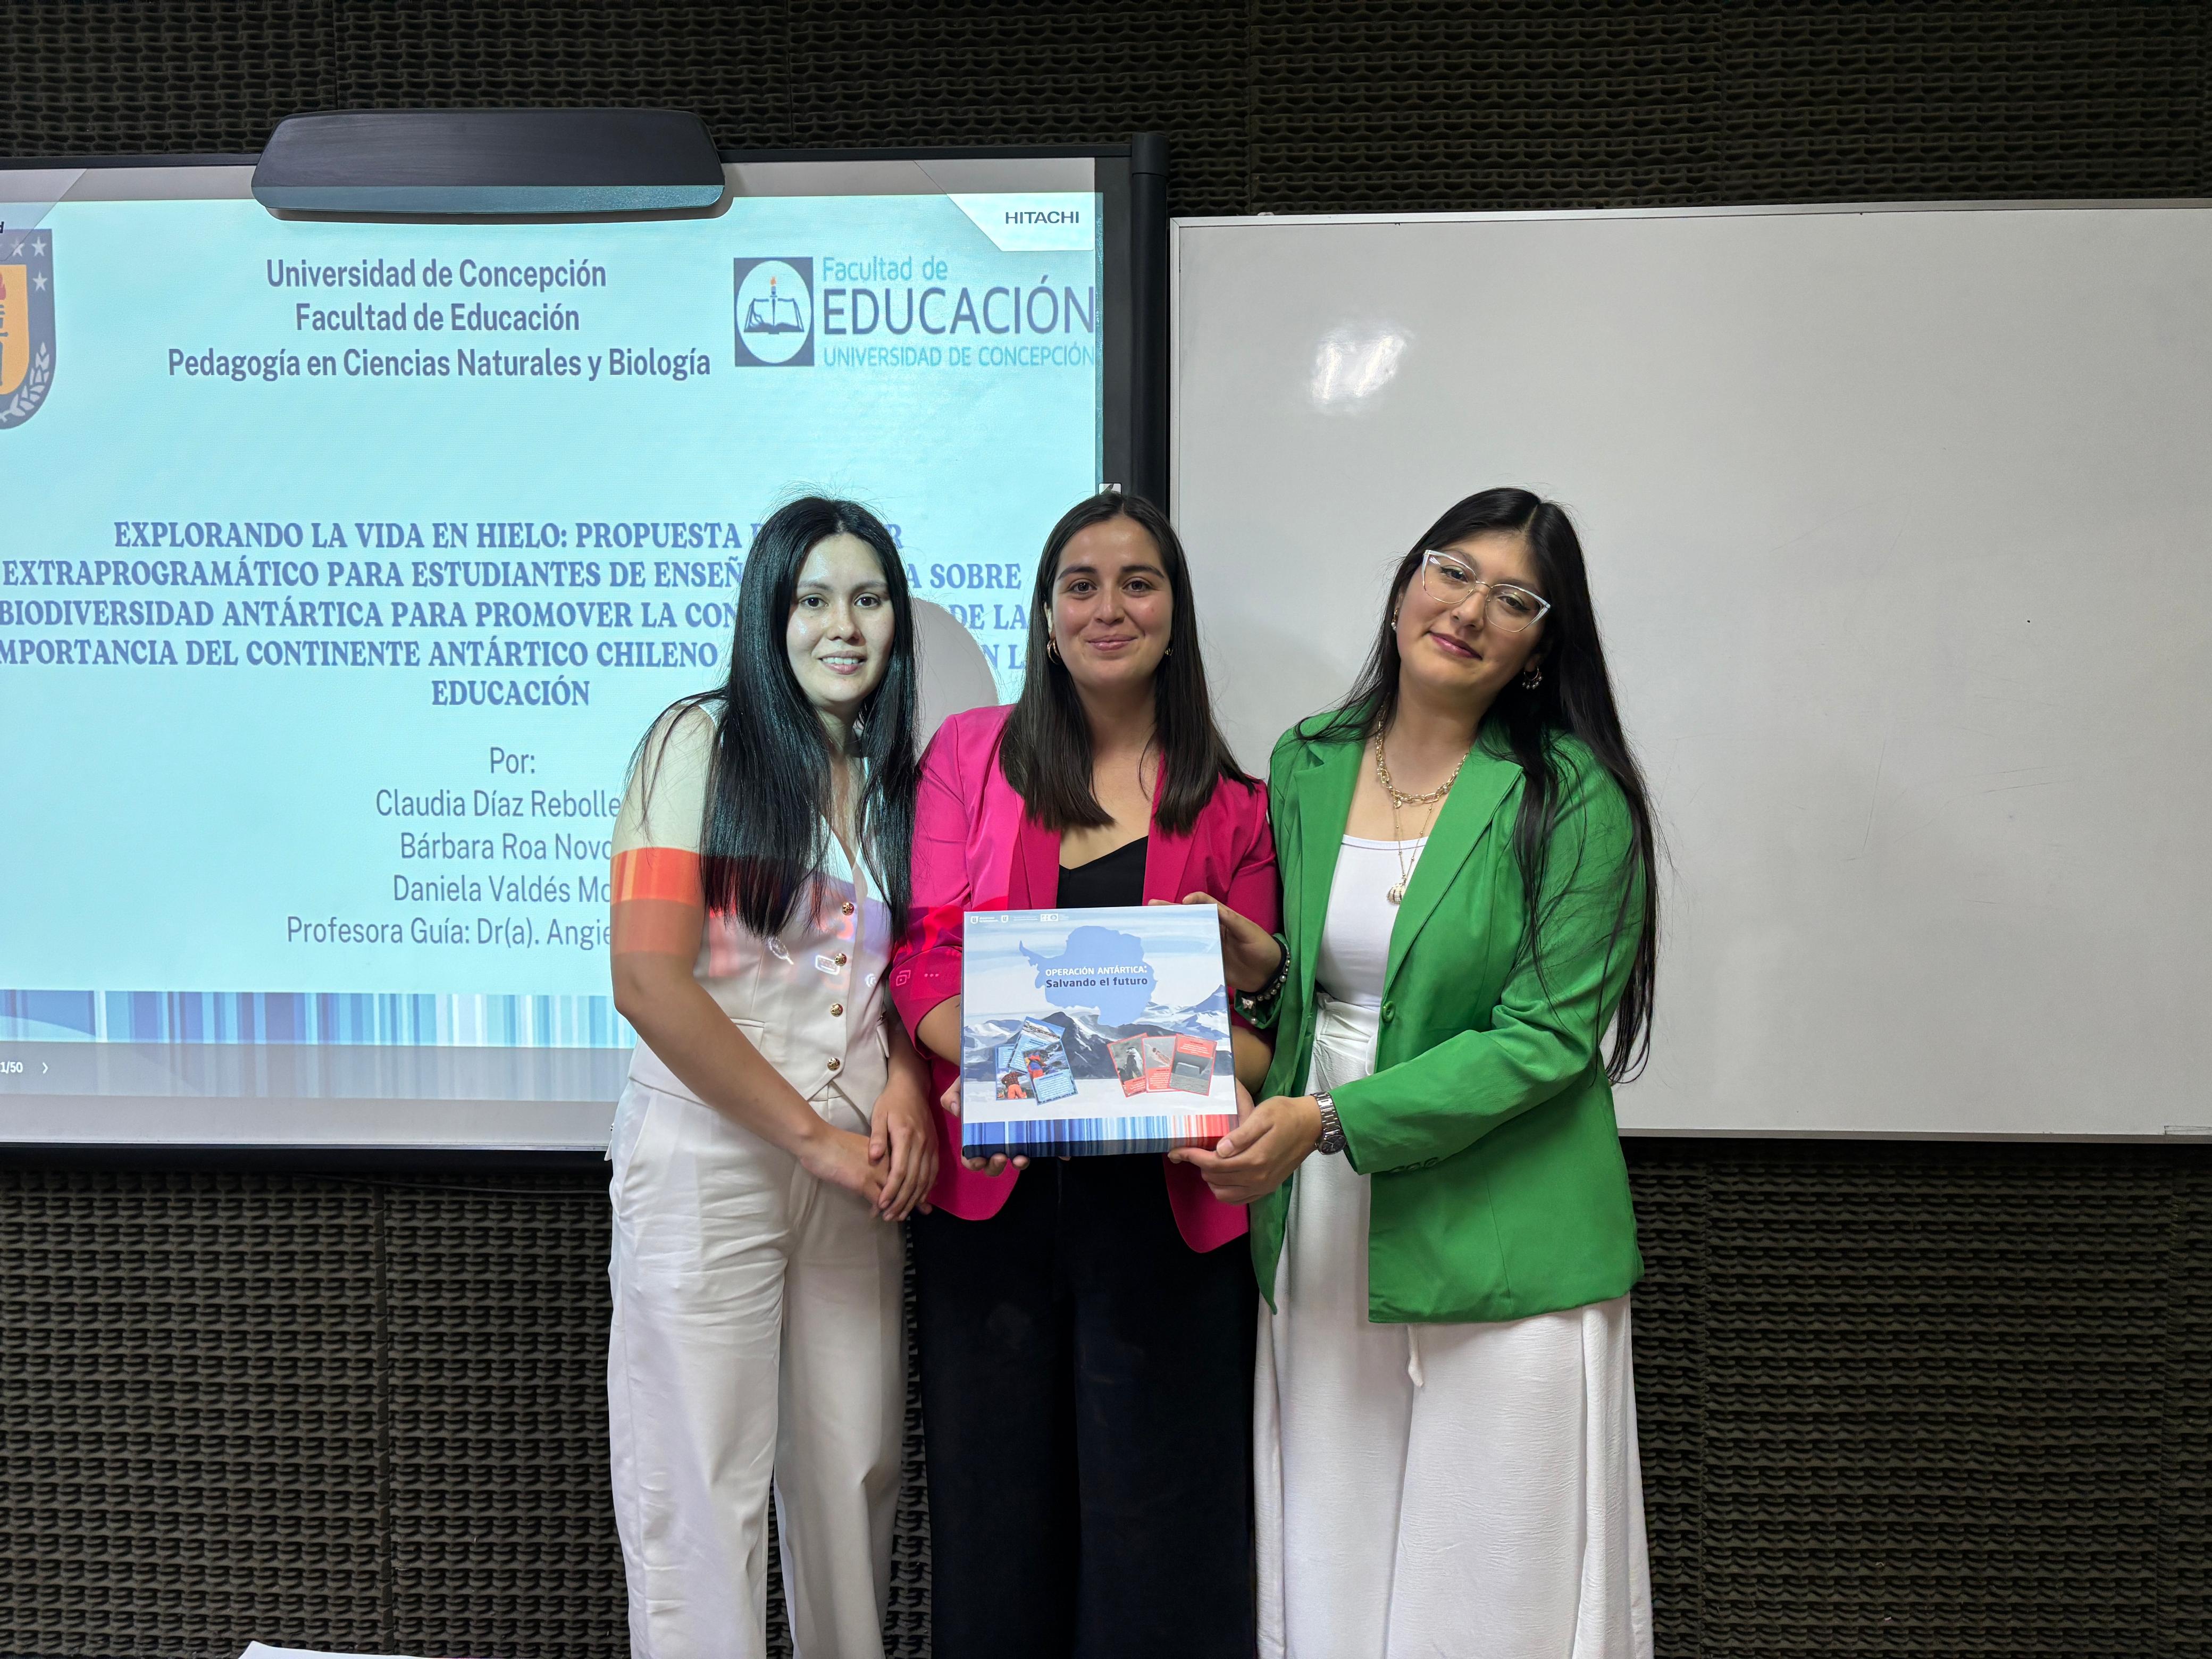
[{"x": 1398, "y": 799}]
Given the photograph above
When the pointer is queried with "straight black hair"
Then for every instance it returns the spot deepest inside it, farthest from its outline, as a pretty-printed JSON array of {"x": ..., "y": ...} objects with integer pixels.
[
  {"x": 1574, "y": 697},
  {"x": 1045, "y": 749},
  {"x": 769, "y": 788}
]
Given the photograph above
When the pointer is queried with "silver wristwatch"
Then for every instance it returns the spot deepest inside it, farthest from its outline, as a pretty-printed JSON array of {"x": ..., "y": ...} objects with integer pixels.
[{"x": 1332, "y": 1131}]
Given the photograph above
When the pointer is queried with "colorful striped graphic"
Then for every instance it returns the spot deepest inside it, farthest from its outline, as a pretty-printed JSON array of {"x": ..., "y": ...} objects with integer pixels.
[
  {"x": 314, "y": 1017},
  {"x": 1082, "y": 1136}
]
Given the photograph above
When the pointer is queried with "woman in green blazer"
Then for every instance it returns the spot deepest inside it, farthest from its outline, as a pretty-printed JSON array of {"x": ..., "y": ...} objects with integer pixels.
[{"x": 1440, "y": 1212}]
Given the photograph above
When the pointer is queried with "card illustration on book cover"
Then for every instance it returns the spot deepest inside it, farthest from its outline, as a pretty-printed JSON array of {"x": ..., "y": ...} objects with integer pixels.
[{"x": 1090, "y": 1031}]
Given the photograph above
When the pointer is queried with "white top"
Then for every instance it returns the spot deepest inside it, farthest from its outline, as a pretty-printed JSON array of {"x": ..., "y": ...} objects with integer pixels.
[
  {"x": 1355, "y": 938},
  {"x": 811, "y": 998}
]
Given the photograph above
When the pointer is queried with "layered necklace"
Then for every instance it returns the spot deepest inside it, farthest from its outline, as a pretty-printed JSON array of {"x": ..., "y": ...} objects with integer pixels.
[{"x": 1399, "y": 798}]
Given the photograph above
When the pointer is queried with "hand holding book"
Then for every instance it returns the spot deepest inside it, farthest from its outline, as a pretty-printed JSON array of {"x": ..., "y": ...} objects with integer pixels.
[
  {"x": 1249, "y": 954},
  {"x": 996, "y": 1165},
  {"x": 1270, "y": 1140}
]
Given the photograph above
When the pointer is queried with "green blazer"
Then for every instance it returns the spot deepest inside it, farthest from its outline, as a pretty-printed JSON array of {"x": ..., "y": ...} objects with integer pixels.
[{"x": 1498, "y": 1186}]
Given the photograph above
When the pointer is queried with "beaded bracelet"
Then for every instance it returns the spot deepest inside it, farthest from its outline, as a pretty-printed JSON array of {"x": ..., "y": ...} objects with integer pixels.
[{"x": 1258, "y": 1006}]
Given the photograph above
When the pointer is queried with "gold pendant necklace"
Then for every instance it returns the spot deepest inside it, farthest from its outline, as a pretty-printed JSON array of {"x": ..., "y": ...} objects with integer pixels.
[{"x": 1397, "y": 894}]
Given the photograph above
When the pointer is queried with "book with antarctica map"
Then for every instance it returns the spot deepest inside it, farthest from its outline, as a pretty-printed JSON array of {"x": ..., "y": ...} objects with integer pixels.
[{"x": 1086, "y": 1031}]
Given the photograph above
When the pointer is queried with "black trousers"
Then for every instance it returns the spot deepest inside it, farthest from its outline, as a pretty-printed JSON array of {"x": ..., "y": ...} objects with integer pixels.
[{"x": 1086, "y": 1395}]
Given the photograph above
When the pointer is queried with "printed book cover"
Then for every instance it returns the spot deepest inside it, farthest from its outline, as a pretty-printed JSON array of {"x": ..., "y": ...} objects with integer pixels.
[{"x": 1090, "y": 1031}]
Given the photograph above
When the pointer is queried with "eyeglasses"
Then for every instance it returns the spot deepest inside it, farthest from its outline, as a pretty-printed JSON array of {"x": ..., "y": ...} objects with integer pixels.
[{"x": 1452, "y": 582}]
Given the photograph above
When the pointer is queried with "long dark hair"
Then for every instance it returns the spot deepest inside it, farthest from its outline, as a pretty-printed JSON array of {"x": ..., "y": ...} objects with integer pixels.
[
  {"x": 1573, "y": 698},
  {"x": 1045, "y": 749},
  {"x": 769, "y": 787}
]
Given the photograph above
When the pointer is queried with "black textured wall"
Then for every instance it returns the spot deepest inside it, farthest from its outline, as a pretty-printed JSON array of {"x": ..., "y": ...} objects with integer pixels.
[
  {"x": 1905, "y": 1399},
  {"x": 1274, "y": 106}
]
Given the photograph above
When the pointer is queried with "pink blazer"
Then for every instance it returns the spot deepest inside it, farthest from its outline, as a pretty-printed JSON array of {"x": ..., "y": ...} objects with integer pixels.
[{"x": 975, "y": 848}]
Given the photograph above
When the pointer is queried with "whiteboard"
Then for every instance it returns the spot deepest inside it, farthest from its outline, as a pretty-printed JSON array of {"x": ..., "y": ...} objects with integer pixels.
[{"x": 1898, "y": 523}]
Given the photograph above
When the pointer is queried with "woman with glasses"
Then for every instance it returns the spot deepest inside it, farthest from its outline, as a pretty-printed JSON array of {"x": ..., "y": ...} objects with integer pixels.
[
  {"x": 1085, "y": 1324},
  {"x": 1445, "y": 1422}
]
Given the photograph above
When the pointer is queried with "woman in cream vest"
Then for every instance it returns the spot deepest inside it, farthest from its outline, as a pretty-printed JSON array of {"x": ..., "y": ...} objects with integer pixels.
[{"x": 777, "y": 1122}]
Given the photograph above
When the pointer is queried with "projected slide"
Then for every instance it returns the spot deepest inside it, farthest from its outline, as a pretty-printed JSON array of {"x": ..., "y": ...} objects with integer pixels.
[{"x": 342, "y": 565}]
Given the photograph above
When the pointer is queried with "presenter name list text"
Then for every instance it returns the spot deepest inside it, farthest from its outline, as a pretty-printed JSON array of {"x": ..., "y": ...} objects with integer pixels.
[{"x": 551, "y": 848}]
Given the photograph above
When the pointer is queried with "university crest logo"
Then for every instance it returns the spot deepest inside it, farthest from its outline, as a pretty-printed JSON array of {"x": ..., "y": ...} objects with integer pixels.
[
  {"x": 774, "y": 303},
  {"x": 27, "y": 323}
]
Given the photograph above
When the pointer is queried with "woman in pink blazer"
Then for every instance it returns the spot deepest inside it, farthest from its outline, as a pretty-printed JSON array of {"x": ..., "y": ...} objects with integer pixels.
[{"x": 1086, "y": 1324}]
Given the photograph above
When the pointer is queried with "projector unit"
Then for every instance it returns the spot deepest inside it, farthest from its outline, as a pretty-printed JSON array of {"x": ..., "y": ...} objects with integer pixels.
[{"x": 532, "y": 163}]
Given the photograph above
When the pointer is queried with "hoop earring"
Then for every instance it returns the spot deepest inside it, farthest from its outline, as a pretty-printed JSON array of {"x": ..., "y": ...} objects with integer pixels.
[
  {"x": 1051, "y": 647},
  {"x": 1532, "y": 679}
]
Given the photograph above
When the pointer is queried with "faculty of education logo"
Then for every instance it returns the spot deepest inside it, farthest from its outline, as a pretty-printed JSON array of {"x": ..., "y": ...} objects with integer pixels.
[
  {"x": 27, "y": 323},
  {"x": 774, "y": 305}
]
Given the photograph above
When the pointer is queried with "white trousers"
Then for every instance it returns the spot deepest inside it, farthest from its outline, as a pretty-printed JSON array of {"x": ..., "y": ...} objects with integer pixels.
[
  {"x": 1437, "y": 1492},
  {"x": 758, "y": 1339}
]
